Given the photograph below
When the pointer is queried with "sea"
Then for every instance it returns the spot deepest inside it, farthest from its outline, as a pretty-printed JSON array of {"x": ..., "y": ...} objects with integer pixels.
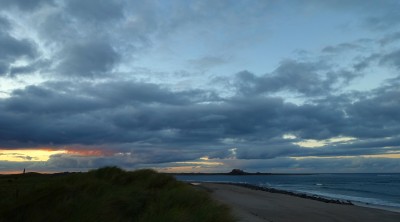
[{"x": 380, "y": 190}]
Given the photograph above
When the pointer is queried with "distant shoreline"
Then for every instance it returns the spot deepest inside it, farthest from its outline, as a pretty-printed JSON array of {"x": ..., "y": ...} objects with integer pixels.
[
  {"x": 268, "y": 174},
  {"x": 303, "y": 195},
  {"x": 291, "y": 193},
  {"x": 242, "y": 174},
  {"x": 250, "y": 203}
]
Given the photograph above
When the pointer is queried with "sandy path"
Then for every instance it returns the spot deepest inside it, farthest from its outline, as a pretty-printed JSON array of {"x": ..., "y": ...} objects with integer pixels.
[{"x": 252, "y": 205}]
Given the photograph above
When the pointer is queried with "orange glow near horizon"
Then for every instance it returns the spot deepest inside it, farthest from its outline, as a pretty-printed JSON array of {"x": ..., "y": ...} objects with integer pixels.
[
  {"x": 203, "y": 164},
  {"x": 43, "y": 154},
  {"x": 21, "y": 155},
  {"x": 383, "y": 156},
  {"x": 186, "y": 169},
  {"x": 178, "y": 169},
  {"x": 321, "y": 143},
  {"x": 88, "y": 152}
]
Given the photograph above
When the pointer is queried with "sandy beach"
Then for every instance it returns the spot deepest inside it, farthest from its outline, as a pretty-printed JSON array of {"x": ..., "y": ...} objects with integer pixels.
[{"x": 254, "y": 205}]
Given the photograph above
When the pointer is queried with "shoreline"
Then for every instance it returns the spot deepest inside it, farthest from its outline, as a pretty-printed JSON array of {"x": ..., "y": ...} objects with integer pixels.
[
  {"x": 291, "y": 193},
  {"x": 318, "y": 198},
  {"x": 376, "y": 206},
  {"x": 308, "y": 196},
  {"x": 260, "y": 205}
]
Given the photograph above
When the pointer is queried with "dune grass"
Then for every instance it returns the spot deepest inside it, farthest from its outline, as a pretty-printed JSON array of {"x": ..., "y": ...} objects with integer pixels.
[{"x": 106, "y": 194}]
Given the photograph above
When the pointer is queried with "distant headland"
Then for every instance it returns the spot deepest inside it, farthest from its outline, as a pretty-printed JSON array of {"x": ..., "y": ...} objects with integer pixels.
[
  {"x": 239, "y": 172},
  {"x": 235, "y": 172}
]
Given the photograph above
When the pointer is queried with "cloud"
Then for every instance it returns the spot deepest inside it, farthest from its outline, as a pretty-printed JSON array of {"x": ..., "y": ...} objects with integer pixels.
[
  {"x": 377, "y": 16},
  {"x": 369, "y": 115},
  {"x": 392, "y": 58},
  {"x": 316, "y": 165},
  {"x": 95, "y": 10},
  {"x": 13, "y": 49},
  {"x": 355, "y": 164},
  {"x": 307, "y": 78},
  {"x": 341, "y": 48},
  {"x": 391, "y": 38},
  {"x": 38, "y": 65},
  {"x": 3, "y": 68},
  {"x": 366, "y": 62},
  {"x": 95, "y": 84},
  {"x": 4, "y": 24},
  {"x": 388, "y": 19},
  {"x": 388, "y": 59},
  {"x": 207, "y": 62},
  {"x": 70, "y": 113},
  {"x": 152, "y": 122},
  {"x": 89, "y": 59},
  {"x": 24, "y": 5}
]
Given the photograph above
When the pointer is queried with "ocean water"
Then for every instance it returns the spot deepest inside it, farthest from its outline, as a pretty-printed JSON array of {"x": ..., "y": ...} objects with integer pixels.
[{"x": 380, "y": 190}]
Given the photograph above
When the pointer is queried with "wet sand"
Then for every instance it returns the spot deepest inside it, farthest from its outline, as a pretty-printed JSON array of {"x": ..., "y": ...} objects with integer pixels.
[{"x": 255, "y": 205}]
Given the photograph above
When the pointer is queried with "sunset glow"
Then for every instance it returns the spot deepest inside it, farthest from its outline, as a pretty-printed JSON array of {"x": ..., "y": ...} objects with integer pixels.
[
  {"x": 89, "y": 152},
  {"x": 28, "y": 155},
  {"x": 321, "y": 143}
]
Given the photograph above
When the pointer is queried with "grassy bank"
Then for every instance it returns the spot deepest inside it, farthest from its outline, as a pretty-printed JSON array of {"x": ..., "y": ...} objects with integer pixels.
[{"x": 106, "y": 194}]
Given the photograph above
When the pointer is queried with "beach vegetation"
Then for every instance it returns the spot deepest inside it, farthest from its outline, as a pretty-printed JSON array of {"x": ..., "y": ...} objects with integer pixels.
[{"x": 106, "y": 194}]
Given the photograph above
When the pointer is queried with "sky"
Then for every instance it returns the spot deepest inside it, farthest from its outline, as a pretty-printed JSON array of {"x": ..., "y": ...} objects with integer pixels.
[{"x": 275, "y": 86}]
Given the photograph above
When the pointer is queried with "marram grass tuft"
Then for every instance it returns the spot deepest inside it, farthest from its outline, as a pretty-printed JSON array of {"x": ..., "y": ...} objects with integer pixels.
[{"x": 106, "y": 194}]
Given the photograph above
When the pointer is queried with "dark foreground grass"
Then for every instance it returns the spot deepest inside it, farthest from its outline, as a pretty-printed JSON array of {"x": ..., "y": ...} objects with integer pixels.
[{"x": 107, "y": 194}]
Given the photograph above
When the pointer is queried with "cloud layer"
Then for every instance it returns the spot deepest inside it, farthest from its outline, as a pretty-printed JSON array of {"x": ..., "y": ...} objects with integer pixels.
[{"x": 142, "y": 85}]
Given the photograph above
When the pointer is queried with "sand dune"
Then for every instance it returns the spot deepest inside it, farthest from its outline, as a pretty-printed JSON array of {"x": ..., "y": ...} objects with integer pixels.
[{"x": 253, "y": 205}]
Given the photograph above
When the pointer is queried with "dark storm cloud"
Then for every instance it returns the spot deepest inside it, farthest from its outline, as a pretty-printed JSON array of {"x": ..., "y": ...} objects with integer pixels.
[
  {"x": 376, "y": 116},
  {"x": 307, "y": 78},
  {"x": 41, "y": 100},
  {"x": 13, "y": 49},
  {"x": 150, "y": 120},
  {"x": 150, "y": 123},
  {"x": 120, "y": 92},
  {"x": 366, "y": 114},
  {"x": 124, "y": 112},
  {"x": 88, "y": 59}
]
